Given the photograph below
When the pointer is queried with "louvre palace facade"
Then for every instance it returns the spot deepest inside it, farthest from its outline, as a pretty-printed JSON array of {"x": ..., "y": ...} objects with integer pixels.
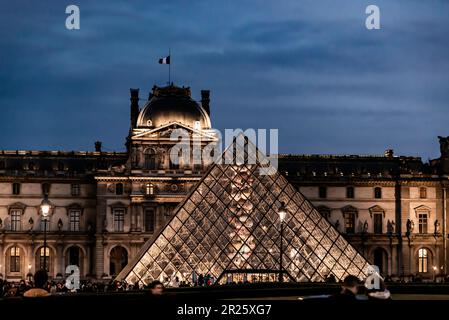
[{"x": 105, "y": 206}]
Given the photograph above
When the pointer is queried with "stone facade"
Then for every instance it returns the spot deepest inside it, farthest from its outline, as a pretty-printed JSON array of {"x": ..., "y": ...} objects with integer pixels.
[
  {"x": 393, "y": 209},
  {"x": 106, "y": 205}
]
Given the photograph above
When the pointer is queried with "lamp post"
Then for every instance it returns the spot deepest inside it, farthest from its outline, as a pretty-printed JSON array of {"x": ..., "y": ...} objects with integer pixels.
[
  {"x": 45, "y": 211},
  {"x": 434, "y": 273},
  {"x": 282, "y": 213}
]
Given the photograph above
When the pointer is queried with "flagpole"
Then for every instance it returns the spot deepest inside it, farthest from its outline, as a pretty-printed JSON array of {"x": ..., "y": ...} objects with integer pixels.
[{"x": 169, "y": 68}]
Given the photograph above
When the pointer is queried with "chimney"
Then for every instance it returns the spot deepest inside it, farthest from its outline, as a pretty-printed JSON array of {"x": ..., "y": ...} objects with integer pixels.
[
  {"x": 389, "y": 153},
  {"x": 98, "y": 146},
  {"x": 205, "y": 100},
  {"x": 134, "y": 106}
]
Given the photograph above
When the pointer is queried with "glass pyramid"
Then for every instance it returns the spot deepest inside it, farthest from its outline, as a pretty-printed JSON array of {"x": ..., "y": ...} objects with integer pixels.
[{"x": 229, "y": 224}]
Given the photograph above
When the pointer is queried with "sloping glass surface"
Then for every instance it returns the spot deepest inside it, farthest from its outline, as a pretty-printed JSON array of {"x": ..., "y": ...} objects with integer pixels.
[{"x": 230, "y": 222}]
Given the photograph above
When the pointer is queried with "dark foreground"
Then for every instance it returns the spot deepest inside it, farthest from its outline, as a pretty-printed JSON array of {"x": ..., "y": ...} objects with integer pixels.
[{"x": 232, "y": 302}]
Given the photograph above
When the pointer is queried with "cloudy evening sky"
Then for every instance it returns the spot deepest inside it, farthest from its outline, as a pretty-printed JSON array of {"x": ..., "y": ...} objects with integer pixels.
[{"x": 309, "y": 68}]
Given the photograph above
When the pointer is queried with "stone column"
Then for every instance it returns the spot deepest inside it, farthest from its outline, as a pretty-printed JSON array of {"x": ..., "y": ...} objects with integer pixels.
[
  {"x": 133, "y": 217},
  {"x": 60, "y": 259},
  {"x": 139, "y": 218}
]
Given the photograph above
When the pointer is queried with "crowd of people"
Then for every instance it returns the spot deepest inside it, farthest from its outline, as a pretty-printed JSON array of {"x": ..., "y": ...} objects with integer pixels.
[
  {"x": 41, "y": 287},
  {"x": 18, "y": 289}
]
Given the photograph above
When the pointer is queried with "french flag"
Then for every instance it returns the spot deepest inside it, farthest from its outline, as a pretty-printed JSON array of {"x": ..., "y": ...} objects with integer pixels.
[{"x": 165, "y": 60}]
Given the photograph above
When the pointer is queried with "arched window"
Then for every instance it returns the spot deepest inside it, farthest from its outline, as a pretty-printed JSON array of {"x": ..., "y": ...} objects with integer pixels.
[
  {"x": 423, "y": 260},
  {"x": 119, "y": 189},
  {"x": 118, "y": 259},
  {"x": 14, "y": 262},
  {"x": 378, "y": 193},
  {"x": 350, "y": 222},
  {"x": 149, "y": 189},
  {"x": 350, "y": 214},
  {"x": 381, "y": 260}
]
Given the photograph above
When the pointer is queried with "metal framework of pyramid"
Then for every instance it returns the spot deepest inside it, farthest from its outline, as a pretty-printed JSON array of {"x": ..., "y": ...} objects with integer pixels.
[{"x": 230, "y": 223}]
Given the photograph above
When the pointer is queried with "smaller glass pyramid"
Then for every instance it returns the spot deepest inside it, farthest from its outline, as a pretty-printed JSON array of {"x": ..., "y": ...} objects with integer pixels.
[{"x": 229, "y": 225}]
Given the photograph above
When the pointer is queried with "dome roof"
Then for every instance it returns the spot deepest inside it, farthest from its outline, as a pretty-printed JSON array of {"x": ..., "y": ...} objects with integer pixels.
[{"x": 172, "y": 104}]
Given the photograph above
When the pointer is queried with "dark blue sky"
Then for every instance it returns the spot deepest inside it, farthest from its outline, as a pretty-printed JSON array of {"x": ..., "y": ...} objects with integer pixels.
[{"x": 309, "y": 68}]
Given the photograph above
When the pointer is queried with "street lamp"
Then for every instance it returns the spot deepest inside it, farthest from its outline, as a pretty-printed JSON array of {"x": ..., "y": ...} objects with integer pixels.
[
  {"x": 282, "y": 213},
  {"x": 45, "y": 211},
  {"x": 434, "y": 273}
]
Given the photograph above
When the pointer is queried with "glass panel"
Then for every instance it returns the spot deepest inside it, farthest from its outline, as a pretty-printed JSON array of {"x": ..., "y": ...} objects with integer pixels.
[{"x": 231, "y": 222}]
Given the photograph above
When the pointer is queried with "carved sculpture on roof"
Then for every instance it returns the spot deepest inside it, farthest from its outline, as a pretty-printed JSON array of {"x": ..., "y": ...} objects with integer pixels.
[
  {"x": 171, "y": 90},
  {"x": 436, "y": 227},
  {"x": 444, "y": 146}
]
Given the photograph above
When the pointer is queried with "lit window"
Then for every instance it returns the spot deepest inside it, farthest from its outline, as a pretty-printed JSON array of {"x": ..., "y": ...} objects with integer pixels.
[
  {"x": 422, "y": 260},
  {"x": 119, "y": 220},
  {"x": 75, "y": 220},
  {"x": 44, "y": 254},
  {"x": 423, "y": 193},
  {"x": 149, "y": 189},
  {"x": 14, "y": 262},
  {"x": 422, "y": 222},
  {"x": 16, "y": 216},
  {"x": 378, "y": 193},
  {"x": 75, "y": 189},
  {"x": 350, "y": 222}
]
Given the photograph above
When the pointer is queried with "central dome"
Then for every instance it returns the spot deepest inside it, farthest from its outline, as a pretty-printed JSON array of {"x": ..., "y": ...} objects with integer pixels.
[{"x": 173, "y": 104}]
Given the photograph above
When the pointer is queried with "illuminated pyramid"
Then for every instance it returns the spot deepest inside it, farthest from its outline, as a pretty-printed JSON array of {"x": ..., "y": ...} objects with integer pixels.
[{"x": 229, "y": 225}]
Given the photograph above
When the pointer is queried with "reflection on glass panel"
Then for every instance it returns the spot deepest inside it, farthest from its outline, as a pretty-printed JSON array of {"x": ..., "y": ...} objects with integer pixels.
[{"x": 229, "y": 229}]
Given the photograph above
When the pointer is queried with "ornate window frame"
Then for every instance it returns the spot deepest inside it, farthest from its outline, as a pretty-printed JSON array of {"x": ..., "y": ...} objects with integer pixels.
[{"x": 376, "y": 209}]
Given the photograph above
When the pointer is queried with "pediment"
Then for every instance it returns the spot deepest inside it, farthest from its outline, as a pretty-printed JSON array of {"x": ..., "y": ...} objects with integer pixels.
[
  {"x": 164, "y": 132},
  {"x": 422, "y": 209}
]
